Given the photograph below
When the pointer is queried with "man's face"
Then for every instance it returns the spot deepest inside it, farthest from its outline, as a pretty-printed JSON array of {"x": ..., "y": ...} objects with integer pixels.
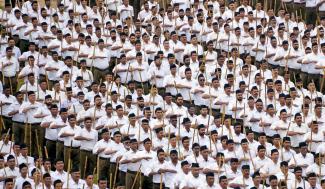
[
  {"x": 102, "y": 184},
  {"x": 76, "y": 175},
  {"x": 9, "y": 185},
  {"x": 210, "y": 180},
  {"x": 224, "y": 183},
  {"x": 312, "y": 181},
  {"x": 59, "y": 165}
]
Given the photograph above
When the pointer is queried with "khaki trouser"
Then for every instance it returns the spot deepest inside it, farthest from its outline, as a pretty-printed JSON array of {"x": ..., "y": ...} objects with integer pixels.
[
  {"x": 316, "y": 78},
  {"x": 157, "y": 186},
  {"x": 11, "y": 82},
  {"x": 7, "y": 122},
  {"x": 59, "y": 150},
  {"x": 23, "y": 45},
  {"x": 34, "y": 146},
  {"x": 130, "y": 179},
  {"x": 122, "y": 176},
  {"x": 304, "y": 78},
  {"x": 73, "y": 154},
  {"x": 18, "y": 129},
  {"x": 51, "y": 149},
  {"x": 112, "y": 168},
  {"x": 147, "y": 182},
  {"x": 88, "y": 162},
  {"x": 103, "y": 167},
  {"x": 99, "y": 74},
  {"x": 293, "y": 74},
  {"x": 311, "y": 15}
]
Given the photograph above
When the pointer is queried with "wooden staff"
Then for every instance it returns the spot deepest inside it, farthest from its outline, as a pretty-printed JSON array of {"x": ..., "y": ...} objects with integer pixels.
[
  {"x": 287, "y": 59},
  {"x": 30, "y": 139},
  {"x": 12, "y": 142},
  {"x": 281, "y": 146},
  {"x": 94, "y": 116},
  {"x": 92, "y": 60},
  {"x": 236, "y": 106},
  {"x": 136, "y": 176},
  {"x": 46, "y": 153},
  {"x": 223, "y": 118},
  {"x": 168, "y": 140},
  {"x": 210, "y": 108},
  {"x": 161, "y": 181},
  {"x": 85, "y": 167},
  {"x": 141, "y": 79},
  {"x": 7, "y": 134},
  {"x": 3, "y": 75},
  {"x": 97, "y": 168},
  {"x": 115, "y": 173},
  {"x": 69, "y": 165},
  {"x": 110, "y": 180},
  {"x": 37, "y": 144},
  {"x": 244, "y": 119},
  {"x": 322, "y": 82},
  {"x": 193, "y": 135},
  {"x": 251, "y": 159},
  {"x": 311, "y": 139},
  {"x": 10, "y": 84}
]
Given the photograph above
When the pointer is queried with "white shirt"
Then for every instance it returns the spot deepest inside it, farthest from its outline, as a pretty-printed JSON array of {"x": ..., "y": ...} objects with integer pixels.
[
  {"x": 85, "y": 144},
  {"x": 70, "y": 139}
]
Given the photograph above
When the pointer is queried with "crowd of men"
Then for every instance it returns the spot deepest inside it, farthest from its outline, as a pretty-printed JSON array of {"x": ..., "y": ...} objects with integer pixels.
[{"x": 162, "y": 94}]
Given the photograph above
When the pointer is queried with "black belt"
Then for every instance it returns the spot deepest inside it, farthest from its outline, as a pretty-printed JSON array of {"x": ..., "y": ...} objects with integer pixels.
[
  {"x": 71, "y": 147},
  {"x": 50, "y": 140},
  {"x": 24, "y": 39},
  {"x": 132, "y": 172},
  {"x": 86, "y": 151},
  {"x": 61, "y": 142},
  {"x": 113, "y": 163},
  {"x": 10, "y": 77},
  {"x": 102, "y": 158},
  {"x": 34, "y": 124},
  {"x": 100, "y": 69},
  {"x": 18, "y": 122}
]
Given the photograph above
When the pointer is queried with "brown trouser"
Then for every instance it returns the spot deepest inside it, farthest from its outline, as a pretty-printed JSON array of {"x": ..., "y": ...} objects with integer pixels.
[
  {"x": 32, "y": 138},
  {"x": 87, "y": 163},
  {"x": 59, "y": 150},
  {"x": 304, "y": 78},
  {"x": 316, "y": 78},
  {"x": 71, "y": 153},
  {"x": 293, "y": 74},
  {"x": 321, "y": 14},
  {"x": 18, "y": 129},
  {"x": 11, "y": 82},
  {"x": 112, "y": 169},
  {"x": 311, "y": 15},
  {"x": 157, "y": 186},
  {"x": 122, "y": 176},
  {"x": 132, "y": 179},
  {"x": 99, "y": 74},
  {"x": 51, "y": 149},
  {"x": 103, "y": 167}
]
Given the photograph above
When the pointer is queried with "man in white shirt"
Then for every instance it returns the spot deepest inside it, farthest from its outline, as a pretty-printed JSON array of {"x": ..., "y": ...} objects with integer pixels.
[
  {"x": 210, "y": 182},
  {"x": 99, "y": 149},
  {"x": 88, "y": 138},
  {"x": 23, "y": 168},
  {"x": 51, "y": 134},
  {"x": 9, "y": 67},
  {"x": 244, "y": 180},
  {"x": 193, "y": 179},
  {"x": 99, "y": 60},
  {"x": 71, "y": 145}
]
